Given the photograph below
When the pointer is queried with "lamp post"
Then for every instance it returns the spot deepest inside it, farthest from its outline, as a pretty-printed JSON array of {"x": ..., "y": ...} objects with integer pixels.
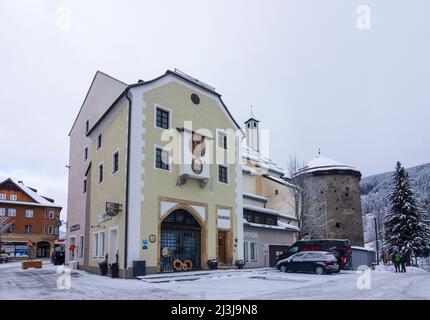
[{"x": 376, "y": 238}]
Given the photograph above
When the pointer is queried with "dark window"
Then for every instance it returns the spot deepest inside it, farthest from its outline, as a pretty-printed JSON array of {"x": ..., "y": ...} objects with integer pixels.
[
  {"x": 195, "y": 98},
  {"x": 27, "y": 229},
  {"x": 222, "y": 174},
  {"x": 249, "y": 125},
  {"x": 255, "y": 125},
  {"x": 100, "y": 173},
  {"x": 162, "y": 159},
  {"x": 87, "y": 126},
  {"x": 115, "y": 162},
  {"x": 99, "y": 141},
  {"x": 260, "y": 218},
  {"x": 85, "y": 186},
  {"x": 338, "y": 225},
  {"x": 222, "y": 140},
  {"x": 86, "y": 153},
  {"x": 276, "y": 192},
  {"x": 10, "y": 229},
  {"x": 162, "y": 118}
]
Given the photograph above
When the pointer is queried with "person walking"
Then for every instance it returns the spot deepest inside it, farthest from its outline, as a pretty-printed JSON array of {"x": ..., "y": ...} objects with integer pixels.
[
  {"x": 403, "y": 259},
  {"x": 396, "y": 261}
]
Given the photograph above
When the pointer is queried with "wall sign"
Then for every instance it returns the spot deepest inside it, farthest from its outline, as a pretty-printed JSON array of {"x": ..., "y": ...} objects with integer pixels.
[
  {"x": 75, "y": 227},
  {"x": 152, "y": 238}
]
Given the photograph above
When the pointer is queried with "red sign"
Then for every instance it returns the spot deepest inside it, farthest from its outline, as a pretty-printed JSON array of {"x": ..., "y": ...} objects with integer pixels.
[{"x": 29, "y": 243}]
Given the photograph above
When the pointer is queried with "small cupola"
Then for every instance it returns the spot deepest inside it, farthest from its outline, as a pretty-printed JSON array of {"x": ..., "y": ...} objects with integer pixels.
[{"x": 252, "y": 130}]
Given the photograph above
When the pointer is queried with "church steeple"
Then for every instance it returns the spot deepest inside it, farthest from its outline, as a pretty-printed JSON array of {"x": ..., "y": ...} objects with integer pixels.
[{"x": 252, "y": 130}]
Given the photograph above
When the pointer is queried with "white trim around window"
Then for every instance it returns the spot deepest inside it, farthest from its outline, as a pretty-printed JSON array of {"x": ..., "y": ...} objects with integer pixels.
[
  {"x": 29, "y": 214},
  {"x": 113, "y": 161},
  {"x": 81, "y": 247},
  {"x": 101, "y": 164},
  {"x": 98, "y": 244},
  {"x": 224, "y": 134},
  {"x": 157, "y": 106},
  {"x": 13, "y": 197},
  {"x": 2, "y": 196},
  {"x": 227, "y": 173},
  {"x": 2, "y": 212},
  {"x": 251, "y": 251},
  {"x": 11, "y": 212},
  {"x": 163, "y": 149}
]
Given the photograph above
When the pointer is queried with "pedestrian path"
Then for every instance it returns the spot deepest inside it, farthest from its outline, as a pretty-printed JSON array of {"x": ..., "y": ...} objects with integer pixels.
[{"x": 195, "y": 275}]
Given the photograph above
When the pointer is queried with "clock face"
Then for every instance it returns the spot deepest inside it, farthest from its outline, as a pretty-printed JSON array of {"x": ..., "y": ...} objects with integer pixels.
[{"x": 197, "y": 166}]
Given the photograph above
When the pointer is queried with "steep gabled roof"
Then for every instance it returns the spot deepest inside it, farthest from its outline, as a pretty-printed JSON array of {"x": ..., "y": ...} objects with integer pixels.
[
  {"x": 98, "y": 75},
  {"x": 178, "y": 75},
  {"x": 38, "y": 199}
]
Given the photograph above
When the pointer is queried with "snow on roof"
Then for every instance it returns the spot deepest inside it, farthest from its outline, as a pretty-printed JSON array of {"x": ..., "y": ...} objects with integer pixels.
[
  {"x": 254, "y": 197},
  {"x": 40, "y": 200},
  {"x": 280, "y": 226},
  {"x": 259, "y": 159},
  {"x": 322, "y": 163},
  {"x": 266, "y": 211}
]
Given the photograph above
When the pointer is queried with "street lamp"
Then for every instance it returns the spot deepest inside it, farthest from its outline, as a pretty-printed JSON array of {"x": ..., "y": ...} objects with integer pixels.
[{"x": 376, "y": 237}]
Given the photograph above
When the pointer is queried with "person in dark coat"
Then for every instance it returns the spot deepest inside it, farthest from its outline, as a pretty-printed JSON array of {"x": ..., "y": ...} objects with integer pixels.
[{"x": 403, "y": 262}]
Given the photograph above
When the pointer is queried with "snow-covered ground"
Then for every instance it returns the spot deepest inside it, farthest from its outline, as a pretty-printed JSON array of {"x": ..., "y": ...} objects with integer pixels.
[{"x": 383, "y": 283}]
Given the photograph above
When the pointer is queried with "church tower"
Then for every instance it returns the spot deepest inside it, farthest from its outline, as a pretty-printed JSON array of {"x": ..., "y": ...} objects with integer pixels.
[{"x": 253, "y": 133}]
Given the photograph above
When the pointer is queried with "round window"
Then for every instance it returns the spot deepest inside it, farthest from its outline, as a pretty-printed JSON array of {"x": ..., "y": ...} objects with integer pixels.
[{"x": 195, "y": 98}]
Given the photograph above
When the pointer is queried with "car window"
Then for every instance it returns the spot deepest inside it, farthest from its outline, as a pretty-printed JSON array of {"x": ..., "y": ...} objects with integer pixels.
[
  {"x": 293, "y": 250},
  {"x": 298, "y": 257}
]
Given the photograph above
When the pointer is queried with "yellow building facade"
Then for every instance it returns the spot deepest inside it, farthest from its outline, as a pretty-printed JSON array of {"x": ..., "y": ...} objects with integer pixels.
[{"x": 164, "y": 184}]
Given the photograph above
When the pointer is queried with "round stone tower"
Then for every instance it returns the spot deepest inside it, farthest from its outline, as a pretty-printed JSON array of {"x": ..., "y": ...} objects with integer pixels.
[{"x": 331, "y": 201}]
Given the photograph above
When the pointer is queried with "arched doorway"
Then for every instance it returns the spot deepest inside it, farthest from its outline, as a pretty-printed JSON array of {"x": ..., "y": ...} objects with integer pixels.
[
  {"x": 180, "y": 239},
  {"x": 43, "y": 249}
]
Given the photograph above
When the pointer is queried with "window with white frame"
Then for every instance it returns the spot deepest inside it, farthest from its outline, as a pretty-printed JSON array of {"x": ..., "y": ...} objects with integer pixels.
[
  {"x": 162, "y": 158},
  {"x": 2, "y": 212},
  {"x": 98, "y": 244},
  {"x": 115, "y": 161},
  {"x": 222, "y": 140},
  {"x": 222, "y": 174},
  {"x": 101, "y": 244},
  {"x": 11, "y": 212},
  {"x": 250, "y": 251},
  {"x": 100, "y": 173},
  {"x": 51, "y": 214},
  {"x": 95, "y": 244},
  {"x": 29, "y": 213},
  {"x": 13, "y": 197},
  {"x": 81, "y": 247},
  {"x": 50, "y": 229},
  {"x": 162, "y": 118},
  {"x": 99, "y": 141},
  {"x": 2, "y": 196},
  {"x": 28, "y": 229}
]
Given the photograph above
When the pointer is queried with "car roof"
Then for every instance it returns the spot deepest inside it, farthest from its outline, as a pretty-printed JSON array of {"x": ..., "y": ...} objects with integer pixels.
[{"x": 322, "y": 252}]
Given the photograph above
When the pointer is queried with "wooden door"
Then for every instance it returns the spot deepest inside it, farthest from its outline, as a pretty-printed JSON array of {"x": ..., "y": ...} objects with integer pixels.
[
  {"x": 222, "y": 246},
  {"x": 274, "y": 252}
]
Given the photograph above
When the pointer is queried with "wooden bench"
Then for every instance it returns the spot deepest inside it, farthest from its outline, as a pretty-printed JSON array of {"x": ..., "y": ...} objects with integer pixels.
[{"x": 31, "y": 264}]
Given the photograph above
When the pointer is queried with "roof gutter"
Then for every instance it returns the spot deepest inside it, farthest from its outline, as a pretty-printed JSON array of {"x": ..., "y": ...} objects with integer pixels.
[{"x": 127, "y": 180}]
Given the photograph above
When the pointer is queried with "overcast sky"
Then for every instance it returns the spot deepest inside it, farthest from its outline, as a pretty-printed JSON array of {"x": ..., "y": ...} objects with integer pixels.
[{"x": 315, "y": 79}]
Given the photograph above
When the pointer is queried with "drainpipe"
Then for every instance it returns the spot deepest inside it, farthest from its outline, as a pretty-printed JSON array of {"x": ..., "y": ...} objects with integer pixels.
[{"x": 127, "y": 181}]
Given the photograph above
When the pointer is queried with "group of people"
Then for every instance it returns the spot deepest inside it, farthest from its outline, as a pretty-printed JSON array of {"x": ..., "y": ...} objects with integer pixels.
[{"x": 397, "y": 257}]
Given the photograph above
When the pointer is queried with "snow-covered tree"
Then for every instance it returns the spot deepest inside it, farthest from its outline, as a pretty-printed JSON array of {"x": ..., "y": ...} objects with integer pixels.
[{"x": 405, "y": 225}]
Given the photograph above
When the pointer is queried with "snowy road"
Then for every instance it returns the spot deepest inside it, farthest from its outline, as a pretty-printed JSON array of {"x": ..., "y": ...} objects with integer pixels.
[{"x": 247, "y": 284}]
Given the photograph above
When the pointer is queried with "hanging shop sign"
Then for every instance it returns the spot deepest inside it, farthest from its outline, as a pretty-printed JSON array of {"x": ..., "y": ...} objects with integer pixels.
[
  {"x": 113, "y": 209},
  {"x": 152, "y": 238}
]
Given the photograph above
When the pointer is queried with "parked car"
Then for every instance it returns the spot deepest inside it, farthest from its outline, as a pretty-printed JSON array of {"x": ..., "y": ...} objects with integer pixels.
[
  {"x": 4, "y": 258},
  {"x": 341, "y": 249},
  {"x": 320, "y": 262},
  {"x": 58, "y": 257}
]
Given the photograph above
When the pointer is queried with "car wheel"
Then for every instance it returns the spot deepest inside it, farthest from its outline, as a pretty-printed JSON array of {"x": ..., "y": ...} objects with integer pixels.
[
  {"x": 319, "y": 270},
  {"x": 283, "y": 268}
]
